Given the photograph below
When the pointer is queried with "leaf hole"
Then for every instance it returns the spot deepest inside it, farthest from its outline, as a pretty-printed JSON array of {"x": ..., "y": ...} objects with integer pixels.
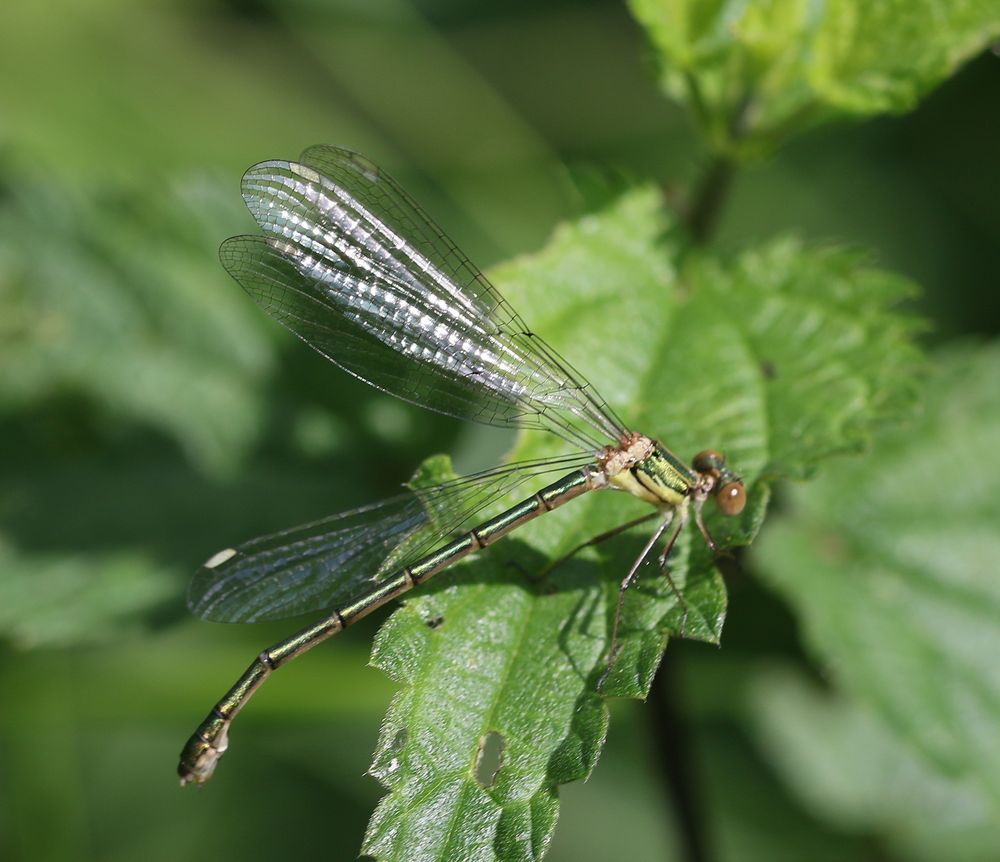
[
  {"x": 434, "y": 622},
  {"x": 489, "y": 759},
  {"x": 398, "y": 741}
]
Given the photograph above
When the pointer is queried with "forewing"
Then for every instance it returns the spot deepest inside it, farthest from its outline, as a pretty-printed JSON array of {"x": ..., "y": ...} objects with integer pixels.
[
  {"x": 354, "y": 267},
  {"x": 433, "y": 253},
  {"x": 298, "y": 303},
  {"x": 328, "y": 563}
]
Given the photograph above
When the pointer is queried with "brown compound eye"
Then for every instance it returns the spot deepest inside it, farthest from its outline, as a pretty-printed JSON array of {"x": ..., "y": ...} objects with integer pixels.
[
  {"x": 731, "y": 498},
  {"x": 709, "y": 461}
]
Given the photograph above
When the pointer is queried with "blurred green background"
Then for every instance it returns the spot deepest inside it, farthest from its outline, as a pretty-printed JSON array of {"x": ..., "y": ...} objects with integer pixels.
[{"x": 150, "y": 414}]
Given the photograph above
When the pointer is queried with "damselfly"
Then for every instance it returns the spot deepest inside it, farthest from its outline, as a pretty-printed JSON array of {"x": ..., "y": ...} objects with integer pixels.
[{"x": 350, "y": 264}]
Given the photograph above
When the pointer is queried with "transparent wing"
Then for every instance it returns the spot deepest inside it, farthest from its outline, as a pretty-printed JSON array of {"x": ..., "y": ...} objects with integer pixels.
[
  {"x": 330, "y": 562},
  {"x": 356, "y": 269}
]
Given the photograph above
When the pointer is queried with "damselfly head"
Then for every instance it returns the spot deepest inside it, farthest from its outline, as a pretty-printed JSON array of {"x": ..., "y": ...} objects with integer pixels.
[{"x": 728, "y": 490}]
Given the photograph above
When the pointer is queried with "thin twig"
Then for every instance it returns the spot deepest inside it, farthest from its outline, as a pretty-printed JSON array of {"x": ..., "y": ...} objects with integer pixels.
[
  {"x": 674, "y": 757},
  {"x": 702, "y": 215}
]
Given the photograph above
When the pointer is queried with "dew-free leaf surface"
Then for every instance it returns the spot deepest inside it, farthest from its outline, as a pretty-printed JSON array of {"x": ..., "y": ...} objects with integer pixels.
[
  {"x": 770, "y": 359},
  {"x": 891, "y": 566},
  {"x": 755, "y": 73}
]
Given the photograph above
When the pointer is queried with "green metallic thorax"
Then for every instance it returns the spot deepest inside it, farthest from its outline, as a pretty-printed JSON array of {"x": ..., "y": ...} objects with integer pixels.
[{"x": 661, "y": 478}]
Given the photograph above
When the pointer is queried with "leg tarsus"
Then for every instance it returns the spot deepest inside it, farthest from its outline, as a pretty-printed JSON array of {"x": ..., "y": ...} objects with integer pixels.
[{"x": 607, "y": 668}]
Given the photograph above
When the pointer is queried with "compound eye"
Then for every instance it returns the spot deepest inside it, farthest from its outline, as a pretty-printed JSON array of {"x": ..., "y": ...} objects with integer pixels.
[
  {"x": 708, "y": 461},
  {"x": 731, "y": 498}
]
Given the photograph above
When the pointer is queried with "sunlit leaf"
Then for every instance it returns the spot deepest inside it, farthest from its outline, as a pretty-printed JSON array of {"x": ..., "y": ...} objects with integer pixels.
[
  {"x": 754, "y": 73},
  {"x": 768, "y": 358}
]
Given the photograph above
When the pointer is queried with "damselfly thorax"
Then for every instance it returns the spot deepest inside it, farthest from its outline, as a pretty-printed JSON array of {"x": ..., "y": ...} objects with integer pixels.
[{"x": 350, "y": 264}]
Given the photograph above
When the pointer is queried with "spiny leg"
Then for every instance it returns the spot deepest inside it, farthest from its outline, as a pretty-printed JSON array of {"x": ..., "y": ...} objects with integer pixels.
[
  {"x": 703, "y": 529},
  {"x": 627, "y": 581},
  {"x": 712, "y": 546}
]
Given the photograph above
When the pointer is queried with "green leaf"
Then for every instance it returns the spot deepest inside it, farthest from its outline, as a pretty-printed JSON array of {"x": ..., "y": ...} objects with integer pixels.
[
  {"x": 826, "y": 361},
  {"x": 874, "y": 57},
  {"x": 754, "y": 73},
  {"x": 890, "y": 564},
  {"x": 864, "y": 778},
  {"x": 62, "y": 599},
  {"x": 507, "y": 648},
  {"x": 116, "y": 296},
  {"x": 494, "y": 656}
]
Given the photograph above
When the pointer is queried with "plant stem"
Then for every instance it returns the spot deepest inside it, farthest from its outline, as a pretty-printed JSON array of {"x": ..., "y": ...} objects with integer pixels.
[
  {"x": 674, "y": 756},
  {"x": 669, "y": 730},
  {"x": 703, "y": 213}
]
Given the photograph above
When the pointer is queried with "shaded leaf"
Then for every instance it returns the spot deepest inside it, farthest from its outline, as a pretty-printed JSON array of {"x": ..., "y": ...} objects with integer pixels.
[
  {"x": 118, "y": 298},
  {"x": 864, "y": 778},
  {"x": 890, "y": 563},
  {"x": 56, "y": 600}
]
